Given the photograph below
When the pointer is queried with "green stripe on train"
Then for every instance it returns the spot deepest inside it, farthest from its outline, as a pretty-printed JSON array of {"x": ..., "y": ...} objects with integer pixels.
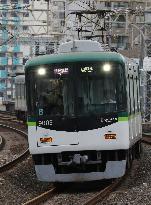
[
  {"x": 122, "y": 116},
  {"x": 120, "y": 119},
  {"x": 125, "y": 117},
  {"x": 31, "y": 123}
]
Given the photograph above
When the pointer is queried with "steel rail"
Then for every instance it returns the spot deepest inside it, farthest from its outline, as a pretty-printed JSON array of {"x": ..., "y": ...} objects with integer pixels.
[
  {"x": 95, "y": 199},
  {"x": 41, "y": 198},
  {"x": 104, "y": 193},
  {"x": 10, "y": 116},
  {"x": 7, "y": 113},
  {"x": 2, "y": 142},
  {"x": 12, "y": 163},
  {"x": 7, "y": 118},
  {"x": 101, "y": 195}
]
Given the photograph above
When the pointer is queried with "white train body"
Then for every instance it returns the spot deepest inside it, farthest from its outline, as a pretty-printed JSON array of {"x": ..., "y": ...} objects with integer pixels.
[
  {"x": 85, "y": 140},
  {"x": 87, "y": 147}
]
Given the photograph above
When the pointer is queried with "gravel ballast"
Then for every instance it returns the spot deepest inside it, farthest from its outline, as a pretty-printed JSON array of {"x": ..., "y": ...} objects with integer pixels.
[
  {"x": 20, "y": 184},
  {"x": 136, "y": 189}
]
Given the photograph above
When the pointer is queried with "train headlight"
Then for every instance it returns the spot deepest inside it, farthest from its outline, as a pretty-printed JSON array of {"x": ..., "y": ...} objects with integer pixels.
[
  {"x": 107, "y": 67},
  {"x": 41, "y": 71}
]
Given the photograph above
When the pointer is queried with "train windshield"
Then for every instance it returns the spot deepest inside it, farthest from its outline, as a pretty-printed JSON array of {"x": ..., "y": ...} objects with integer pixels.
[{"x": 77, "y": 89}]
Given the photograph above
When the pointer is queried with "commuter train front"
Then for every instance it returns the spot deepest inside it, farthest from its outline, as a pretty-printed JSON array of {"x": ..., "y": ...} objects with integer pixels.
[{"x": 84, "y": 118}]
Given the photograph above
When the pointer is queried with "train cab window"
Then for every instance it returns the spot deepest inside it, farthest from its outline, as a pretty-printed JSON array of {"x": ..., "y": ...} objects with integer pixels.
[{"x": 77, "y": 89}]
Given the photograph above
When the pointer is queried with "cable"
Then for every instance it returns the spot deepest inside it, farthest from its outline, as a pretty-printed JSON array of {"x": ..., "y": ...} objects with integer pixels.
[{"x": 7, "y": 41}]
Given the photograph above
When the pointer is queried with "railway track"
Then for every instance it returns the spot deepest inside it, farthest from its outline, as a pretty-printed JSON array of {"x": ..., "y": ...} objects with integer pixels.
[
  {"x": 11, "y": 121},
  {"x": 18, "y": 159},
  {"x": 99, "y": 196},
  {"x": 9, "y": 113},
  {"x": 42, "y": 199},
  {"x": 9, "y": 118},
  {"x": 48, "y": 196},
  {"x": 103, "y": 193}
]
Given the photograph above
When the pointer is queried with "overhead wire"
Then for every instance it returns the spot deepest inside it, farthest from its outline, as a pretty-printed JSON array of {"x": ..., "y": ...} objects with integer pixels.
[
  {"x": 96, "y": 23},
  {"x": 83, "y": 8},
  {"x": 11, "y": 37}
]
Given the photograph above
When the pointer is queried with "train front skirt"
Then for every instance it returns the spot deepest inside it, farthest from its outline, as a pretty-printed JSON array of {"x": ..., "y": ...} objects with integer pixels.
[{"x": 114, "y": 169}]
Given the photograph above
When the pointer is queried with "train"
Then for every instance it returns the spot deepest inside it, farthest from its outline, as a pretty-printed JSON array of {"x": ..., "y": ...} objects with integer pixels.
[
  {"x": 83, "y": 113},
  {"x": 20, "y": 97}
]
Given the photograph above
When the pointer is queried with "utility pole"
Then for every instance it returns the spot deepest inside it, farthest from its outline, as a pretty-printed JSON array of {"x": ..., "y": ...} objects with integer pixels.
[{"x": 48, "y": 18}]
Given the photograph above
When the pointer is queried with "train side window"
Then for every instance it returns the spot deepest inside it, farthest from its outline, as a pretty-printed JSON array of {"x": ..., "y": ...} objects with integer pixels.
[
  {"x": 16, "y": 90},
  {"x": 129, "y": 92},
  {"x": 132, "y": 95},
  {"x": 19, "y": 90},
  {"x": 133, "y": 84},
  {"x": 137, "y": 90},
  {"x": 136, "y": 94},
  {"x": 22, "y": 91},
  {"x": 121, "y": 91}
]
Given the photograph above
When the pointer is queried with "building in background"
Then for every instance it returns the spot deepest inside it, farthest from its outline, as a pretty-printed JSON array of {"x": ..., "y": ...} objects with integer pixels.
[
  {"x": 11, "y": 55},
  {"x": 37, "y": 27},
  {"x": 28, "y": 28},
  {"x": 122, "y": 24},
  {"x": 125, "y": 26}
]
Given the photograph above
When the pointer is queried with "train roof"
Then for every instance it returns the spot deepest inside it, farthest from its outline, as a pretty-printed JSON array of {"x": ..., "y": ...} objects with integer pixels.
[{"x": 75, "y": 57}]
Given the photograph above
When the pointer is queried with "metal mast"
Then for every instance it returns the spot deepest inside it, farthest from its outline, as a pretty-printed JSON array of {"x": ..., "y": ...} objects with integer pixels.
[{"x": 125, "y": 26}]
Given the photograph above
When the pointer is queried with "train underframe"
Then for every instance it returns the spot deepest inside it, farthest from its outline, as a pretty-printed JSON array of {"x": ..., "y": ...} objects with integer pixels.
[
  {"x": 21, "y": 115},
  {"x": 85, "y": 165}
]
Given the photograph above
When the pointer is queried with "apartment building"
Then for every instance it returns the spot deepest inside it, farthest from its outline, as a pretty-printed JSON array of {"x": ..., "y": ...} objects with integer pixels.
[{"x": 28, "y": 28}]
